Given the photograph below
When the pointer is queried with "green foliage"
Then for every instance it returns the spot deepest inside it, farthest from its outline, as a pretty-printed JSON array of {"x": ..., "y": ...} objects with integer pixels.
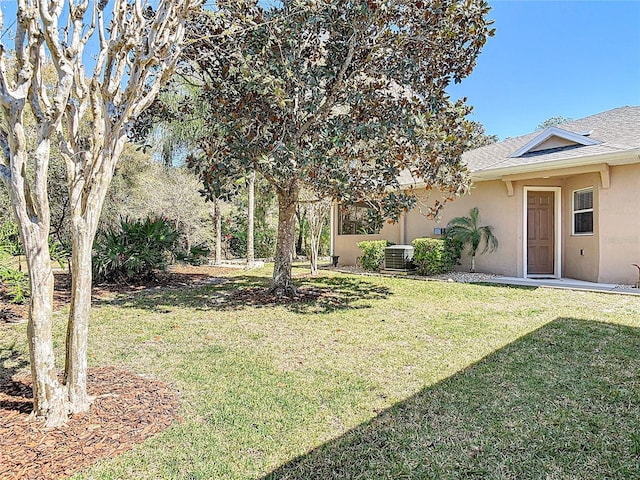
[
  {"x": 59, "y": 252},
  {"x": 553, "y": 121},
  {"x": 234, "y": 230},
  {"x": 10, "y": 239},
  {"x": 197, "y": 255},
  {"x": 336, "y": 97},
  {"x": 134, "y": 250},
  {"x": 468, "y": 232},
  {"x": 432, "y": 256},
  {"x": 372, "y": 256},
  {"x": 15, "y": 280}
]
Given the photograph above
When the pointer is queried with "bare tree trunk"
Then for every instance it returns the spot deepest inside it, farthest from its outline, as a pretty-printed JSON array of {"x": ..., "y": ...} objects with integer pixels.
[
  {"x": 313, "y": 255},
  {"x": 78, "y": 324},
  {"x": 317, "y": 213},
  {"x": 86, "y": 203},
  {"x": 49, "y": 400},
  {"x": 218, "y": 219},
  {"x": 130, "y": 68},
  {"x": 300, "y": 216},
  {"x": 281, "y": 282},
  {"x": 31, "y": 209},
  {"x": 250, "y": 220}
]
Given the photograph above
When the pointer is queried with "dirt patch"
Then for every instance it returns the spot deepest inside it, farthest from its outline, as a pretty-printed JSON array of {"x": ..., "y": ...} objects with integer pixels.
[{"x": 127, "y": 410}]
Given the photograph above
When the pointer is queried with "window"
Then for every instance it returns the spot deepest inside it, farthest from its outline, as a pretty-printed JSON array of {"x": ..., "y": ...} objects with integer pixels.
[
  {"x": 358, "y": 219},
  {"x": 583, "y": 212}
]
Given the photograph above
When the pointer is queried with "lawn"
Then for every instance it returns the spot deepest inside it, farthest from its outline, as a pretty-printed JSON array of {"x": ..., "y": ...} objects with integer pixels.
[{"x": 377, "y": 378}]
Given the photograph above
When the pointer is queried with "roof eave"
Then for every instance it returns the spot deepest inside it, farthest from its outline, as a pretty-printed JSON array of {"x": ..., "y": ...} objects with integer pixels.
[{"x": 617, "y": 158}]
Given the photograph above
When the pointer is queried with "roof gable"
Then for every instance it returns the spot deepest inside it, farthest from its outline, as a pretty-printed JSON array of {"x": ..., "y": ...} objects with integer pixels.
[{"x": 554, "y": 137}]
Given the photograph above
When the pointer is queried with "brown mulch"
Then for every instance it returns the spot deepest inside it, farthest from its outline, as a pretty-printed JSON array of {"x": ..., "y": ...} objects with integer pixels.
[
  {"x": 179, "y": 277},
  {"x": 305, "y": 299},
  {"x": 127, "y": 410}
]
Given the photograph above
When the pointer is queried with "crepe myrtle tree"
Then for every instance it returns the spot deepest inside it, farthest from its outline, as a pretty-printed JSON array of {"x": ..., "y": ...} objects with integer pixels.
[
  {"x": 87, "y": 115},
  {"x": 339, "y": 97}
]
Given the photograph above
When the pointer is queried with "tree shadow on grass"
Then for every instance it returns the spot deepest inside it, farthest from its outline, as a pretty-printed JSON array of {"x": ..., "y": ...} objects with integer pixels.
[
  {"x": 561, "y": 402},
  {"x": 14, "y": 395},
  {"x": 315, "y": 295}
]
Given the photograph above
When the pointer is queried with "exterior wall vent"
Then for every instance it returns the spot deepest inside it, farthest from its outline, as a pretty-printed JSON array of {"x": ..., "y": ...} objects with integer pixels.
[{"x": 398, "y": 257}]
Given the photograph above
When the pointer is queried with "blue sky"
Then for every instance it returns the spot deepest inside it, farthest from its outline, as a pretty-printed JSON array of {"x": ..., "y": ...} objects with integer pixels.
[{"x": 554, "y": 58}]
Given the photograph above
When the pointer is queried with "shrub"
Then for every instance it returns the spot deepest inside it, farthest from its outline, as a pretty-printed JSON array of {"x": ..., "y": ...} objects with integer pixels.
[
  {"x": 432, "y": 256},
  {"x": 234, "y": 229},
  {"x": 197, "y": 255},
  {"x": 372, "y": 256},
  {"x": 16, "y": 281},
  {"x": 134, "y": 250}
]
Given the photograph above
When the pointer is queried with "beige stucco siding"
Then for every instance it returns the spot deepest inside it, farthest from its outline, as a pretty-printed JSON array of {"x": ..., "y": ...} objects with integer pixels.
[
  {"x": 346, "y": 246},
  {"x": 619, "y": 226},
  {"x": 496, "y": 209},
  {"x": 581, "y": 253}
]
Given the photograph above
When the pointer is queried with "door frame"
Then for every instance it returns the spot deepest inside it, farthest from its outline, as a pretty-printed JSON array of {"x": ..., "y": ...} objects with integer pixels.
[{"x": 557, "y": 227}]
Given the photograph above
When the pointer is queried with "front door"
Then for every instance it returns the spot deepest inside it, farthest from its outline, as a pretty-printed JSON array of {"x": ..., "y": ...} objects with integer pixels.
[{"x": 540, "y": 233}]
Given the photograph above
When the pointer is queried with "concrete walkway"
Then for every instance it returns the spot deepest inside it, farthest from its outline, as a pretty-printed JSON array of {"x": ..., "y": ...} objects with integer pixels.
[{"x": 568, "y": 284}]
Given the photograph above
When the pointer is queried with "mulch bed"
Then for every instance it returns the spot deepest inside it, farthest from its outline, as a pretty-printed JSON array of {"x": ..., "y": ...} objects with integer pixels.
[
  {"x": 179, "y": 277},
  {"x": 127, "y": 409}
]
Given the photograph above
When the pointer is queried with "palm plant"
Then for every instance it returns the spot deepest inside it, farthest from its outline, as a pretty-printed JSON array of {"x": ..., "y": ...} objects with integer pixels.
[{"x": 467, "y": 231}]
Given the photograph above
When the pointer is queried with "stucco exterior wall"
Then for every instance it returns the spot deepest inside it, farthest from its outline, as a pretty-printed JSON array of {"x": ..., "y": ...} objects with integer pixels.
[
  {"x": 581, "y": 253},
  {"x": 619, "y": 226},
  {"x": 496, "y": 209},
  {"x": 346, "y": 246}
]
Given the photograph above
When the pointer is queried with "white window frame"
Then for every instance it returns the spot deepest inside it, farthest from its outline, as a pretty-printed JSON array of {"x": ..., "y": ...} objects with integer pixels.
[{"x": 585, "y": 210}]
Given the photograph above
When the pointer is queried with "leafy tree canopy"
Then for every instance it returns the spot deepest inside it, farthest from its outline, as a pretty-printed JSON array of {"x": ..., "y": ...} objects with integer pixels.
[
  {"x": 479, "y": 137},
  {"x": 339, "y": 96},
  {"x": 550, "y": 122}
]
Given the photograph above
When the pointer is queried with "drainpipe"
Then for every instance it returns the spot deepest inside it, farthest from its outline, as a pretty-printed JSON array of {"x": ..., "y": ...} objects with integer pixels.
[{"x": 332, "y": 251}]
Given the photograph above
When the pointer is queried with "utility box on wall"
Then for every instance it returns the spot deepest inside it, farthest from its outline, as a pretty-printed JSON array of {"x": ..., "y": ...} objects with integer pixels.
[{"x": 398, "y": 257}]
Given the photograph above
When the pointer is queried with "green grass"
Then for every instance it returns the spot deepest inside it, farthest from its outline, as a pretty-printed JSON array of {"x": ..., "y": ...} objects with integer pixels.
[{"x": 389, "y": 378}]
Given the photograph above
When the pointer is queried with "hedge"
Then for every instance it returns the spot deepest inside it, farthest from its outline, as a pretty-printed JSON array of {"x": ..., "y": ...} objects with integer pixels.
[
  {"x": 372, "y": 256},
  {"x": 432, "y": 256}
]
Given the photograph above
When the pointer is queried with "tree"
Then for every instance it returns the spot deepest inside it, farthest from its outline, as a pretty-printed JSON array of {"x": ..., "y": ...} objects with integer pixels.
[
  {"x": 550, "y": 122},
  {"x": 479, "y": 137},
  {"x": 318, "y": 212},
  {"x": 468, "y": 232},
  {"x": 155, "y": 190},
  {"x": 338, "y": 96},
  {"x": 251, "y": 203},
  {"x": 89, "y": 118}
]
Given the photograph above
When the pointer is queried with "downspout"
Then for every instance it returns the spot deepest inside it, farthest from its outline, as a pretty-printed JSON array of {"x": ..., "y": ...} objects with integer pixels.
[
  {"x": 403, "y": 224},
  {"x": 332, "y": 223}
]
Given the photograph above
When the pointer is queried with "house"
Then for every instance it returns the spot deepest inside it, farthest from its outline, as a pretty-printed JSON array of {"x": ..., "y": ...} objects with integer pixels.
[{"x": 564, "y": 202}]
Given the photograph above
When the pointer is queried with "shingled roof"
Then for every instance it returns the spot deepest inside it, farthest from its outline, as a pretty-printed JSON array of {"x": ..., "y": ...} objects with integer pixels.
[
  {"x": 612, "y": 132},
  {"x": 609, "y": 137}
]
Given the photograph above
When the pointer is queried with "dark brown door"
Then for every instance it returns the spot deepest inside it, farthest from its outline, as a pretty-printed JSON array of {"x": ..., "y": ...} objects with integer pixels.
[{"x": 540, "y": 233}]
